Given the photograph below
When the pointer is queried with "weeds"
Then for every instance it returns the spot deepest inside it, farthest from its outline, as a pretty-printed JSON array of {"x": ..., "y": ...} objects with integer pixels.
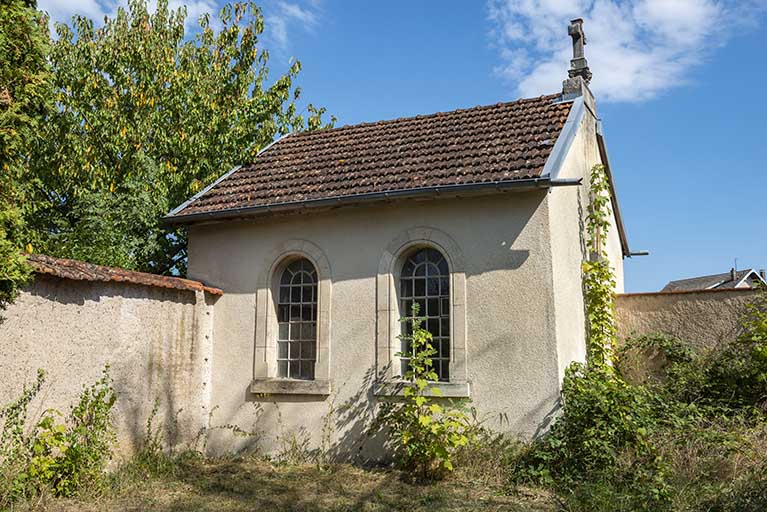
[{"x": 63, "y": 458}]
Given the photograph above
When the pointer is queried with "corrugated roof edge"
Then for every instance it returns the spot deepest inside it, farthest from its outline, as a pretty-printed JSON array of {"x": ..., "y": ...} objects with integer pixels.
[{"x": 81, "y": 271}]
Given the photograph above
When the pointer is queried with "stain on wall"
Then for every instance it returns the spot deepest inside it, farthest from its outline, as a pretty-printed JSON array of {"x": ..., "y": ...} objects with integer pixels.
[{"x": 157, "y": 342}]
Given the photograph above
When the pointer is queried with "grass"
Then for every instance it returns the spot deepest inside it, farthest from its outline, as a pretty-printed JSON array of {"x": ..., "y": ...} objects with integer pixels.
[{"x": 255, "y": 484}]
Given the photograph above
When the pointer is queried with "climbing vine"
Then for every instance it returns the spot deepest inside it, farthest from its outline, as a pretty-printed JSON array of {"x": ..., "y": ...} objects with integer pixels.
[{"x": 598, "y": 277}]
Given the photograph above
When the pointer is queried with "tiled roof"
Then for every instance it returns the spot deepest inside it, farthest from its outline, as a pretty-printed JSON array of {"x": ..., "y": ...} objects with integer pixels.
[
  {"x": 713, "y": 282},
  {"x": 81, "y": 271},
  {"x": 490, "y": 144}
]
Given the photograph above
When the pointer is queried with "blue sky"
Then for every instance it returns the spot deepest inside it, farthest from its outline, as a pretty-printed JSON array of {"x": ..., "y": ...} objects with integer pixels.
[{"x": 680, "y": 86}]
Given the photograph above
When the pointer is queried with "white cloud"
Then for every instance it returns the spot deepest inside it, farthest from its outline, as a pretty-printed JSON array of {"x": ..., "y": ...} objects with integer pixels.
[
  {"x": 281, "y": 16},
  {"x": 64, "y": 10},
  {"x": 636, "y": 48}
]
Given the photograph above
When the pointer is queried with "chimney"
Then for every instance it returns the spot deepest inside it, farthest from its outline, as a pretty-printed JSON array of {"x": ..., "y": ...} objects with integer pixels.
[
  {"x": 579, "y": 73},
  {"x": 733, "y": 274},
  {"x": 763, "y": 274}
]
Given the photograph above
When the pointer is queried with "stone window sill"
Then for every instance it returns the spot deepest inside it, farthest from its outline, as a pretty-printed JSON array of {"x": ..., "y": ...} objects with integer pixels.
[
  {"x": 447, "y": 389},
  {"x": 290, "y": 387}
]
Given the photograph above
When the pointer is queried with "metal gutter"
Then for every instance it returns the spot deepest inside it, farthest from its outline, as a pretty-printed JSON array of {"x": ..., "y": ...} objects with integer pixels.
[
  {"x": 565, "y": 140},
  {"x": 202, "y": 192},
  {"x": 424, "y": 192},
  {"x": 613, "y": 194}
]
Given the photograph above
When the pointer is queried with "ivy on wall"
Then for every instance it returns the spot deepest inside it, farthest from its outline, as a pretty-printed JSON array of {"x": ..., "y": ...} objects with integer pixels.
[{"x": 598, "y": 277}]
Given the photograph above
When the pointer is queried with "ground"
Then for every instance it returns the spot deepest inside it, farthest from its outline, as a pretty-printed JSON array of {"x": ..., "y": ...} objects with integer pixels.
[{"x": 253, "y": 484}]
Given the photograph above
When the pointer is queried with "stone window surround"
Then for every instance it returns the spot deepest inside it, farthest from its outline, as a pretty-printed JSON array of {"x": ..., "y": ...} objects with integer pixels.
[
  {"x": 265, "y": 379},
  {"x": 388, "y": 314}
]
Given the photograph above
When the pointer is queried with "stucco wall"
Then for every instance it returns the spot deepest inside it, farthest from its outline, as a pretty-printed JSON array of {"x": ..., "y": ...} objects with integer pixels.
[
  {"x": 512, "y": 361},
  {"x": 703, "y": 318},
  {"x": 157, "y": 342},
  {"x": 567, "y": 215}
]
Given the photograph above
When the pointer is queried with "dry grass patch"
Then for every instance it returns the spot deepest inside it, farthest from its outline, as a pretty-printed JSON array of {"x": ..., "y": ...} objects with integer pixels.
[{"x": 252, "y": 484}]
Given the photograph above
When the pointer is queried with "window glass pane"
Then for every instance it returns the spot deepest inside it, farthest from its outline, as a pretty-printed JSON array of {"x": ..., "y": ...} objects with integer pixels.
[
  {"x": 429, "y": 287},
  {"x": 406, "y": 288},
  {"x": 444, "y": 327},
  {"x": 307, "y": 350},
  {"x": 295, "y": 370},
  {"x": 296, "y": 314},
  {"x": 295, "y": 331},
  {"x": 432, "y": 307},
  {"x": 294, "y": 351}
]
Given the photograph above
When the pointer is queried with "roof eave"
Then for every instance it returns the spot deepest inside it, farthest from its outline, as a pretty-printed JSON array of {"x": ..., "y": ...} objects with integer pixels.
[{"x": 359, "y": 199}]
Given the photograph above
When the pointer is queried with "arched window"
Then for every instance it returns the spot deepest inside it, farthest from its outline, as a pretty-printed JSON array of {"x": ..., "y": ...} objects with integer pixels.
[
  {"x": 297, "y": 320},
  {"x": 425, "y": 280}
]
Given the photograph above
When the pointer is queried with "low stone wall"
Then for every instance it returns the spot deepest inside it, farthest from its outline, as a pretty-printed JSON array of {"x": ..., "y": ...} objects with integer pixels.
[
  {"x": 156, "y": 340},
  {"x": 703, "y": 318}
]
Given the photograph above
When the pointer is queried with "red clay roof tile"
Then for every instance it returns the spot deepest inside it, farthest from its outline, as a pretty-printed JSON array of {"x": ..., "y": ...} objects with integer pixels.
[
  {"x": 502, "y": 142},
  {"x": 81, "y": 271}
]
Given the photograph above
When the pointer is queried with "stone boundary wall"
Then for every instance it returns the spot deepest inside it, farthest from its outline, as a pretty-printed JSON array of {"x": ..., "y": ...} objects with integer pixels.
[
  {"x": 156, "y": 339},
  {"x": 703, "y": 318}
]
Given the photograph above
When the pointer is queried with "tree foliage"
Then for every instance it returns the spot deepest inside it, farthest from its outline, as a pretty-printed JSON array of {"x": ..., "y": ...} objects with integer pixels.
[
  {"x": 145, "y": 117},
  {"x": 24, "y": 101}
]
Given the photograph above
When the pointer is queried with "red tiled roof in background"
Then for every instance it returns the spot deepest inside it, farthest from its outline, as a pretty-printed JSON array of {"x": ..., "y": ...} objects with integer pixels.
[
  {"x": 490, "y": 144},
  {"x": 81, "y": 271}
]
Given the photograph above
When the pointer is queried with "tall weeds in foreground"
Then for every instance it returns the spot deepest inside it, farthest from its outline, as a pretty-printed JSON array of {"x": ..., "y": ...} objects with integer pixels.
[
  {"x": 62, "y": 457},
  {"x": 692, "y": 436},
  {"x": 426, "y": 433}
]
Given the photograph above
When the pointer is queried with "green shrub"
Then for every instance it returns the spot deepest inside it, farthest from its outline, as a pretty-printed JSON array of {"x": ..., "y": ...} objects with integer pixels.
[
  {"x": 603, "y": 437},
  {"x": 426, "y": 433}
]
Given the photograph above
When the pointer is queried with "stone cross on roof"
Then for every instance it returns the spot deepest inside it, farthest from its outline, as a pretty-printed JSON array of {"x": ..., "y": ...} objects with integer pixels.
[{"x": 579, "y": 66}]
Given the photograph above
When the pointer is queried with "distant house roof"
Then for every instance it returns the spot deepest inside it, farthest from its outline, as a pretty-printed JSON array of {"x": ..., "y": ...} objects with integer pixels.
[
  {"x": 740, "y": 279},
  {"x": 500, "y": 143},
  {"x": 81, "y": 271}
]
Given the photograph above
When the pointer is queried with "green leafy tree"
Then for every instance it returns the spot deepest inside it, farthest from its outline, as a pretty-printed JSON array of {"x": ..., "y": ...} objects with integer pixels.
[
  {"x": 24, "y": 101},
  {"x": 147, "y": 116}
]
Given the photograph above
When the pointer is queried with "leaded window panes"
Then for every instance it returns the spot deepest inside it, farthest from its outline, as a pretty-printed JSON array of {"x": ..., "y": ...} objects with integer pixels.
[
  {"x": 425, "y": 280},
  {"x": 297, "y": 321}
]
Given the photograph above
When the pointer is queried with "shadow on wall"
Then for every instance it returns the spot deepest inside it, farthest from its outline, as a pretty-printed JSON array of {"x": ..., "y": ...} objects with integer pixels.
[{"x": 337, "y": 227}]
